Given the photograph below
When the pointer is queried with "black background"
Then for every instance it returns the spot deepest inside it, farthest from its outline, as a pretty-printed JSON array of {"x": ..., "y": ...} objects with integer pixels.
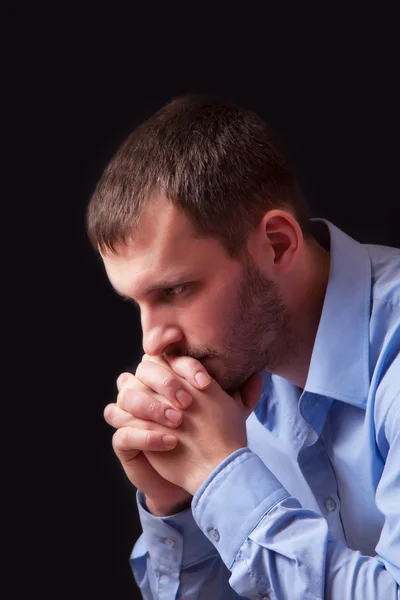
[{"x": 327, "y": 84}]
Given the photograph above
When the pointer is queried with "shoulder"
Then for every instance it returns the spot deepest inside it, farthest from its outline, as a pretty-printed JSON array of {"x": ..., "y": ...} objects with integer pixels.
[
  {"x": 385, "y": 386},
  {"x": 384, "y": 340},
  {"x": 385, "y": 274},
  {"x": 384, "y": 326}
]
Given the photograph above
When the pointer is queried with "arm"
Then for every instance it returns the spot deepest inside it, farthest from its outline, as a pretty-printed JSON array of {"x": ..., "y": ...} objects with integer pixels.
[
  {"x": 172, "y": 554},
  {"x": 280, "y": 549},
  {"x": 288, "y": 551},
  {"x": 271, "y": 546},
  {"x": 267, "y": 546},
  {"x": 174, "y": 559}
]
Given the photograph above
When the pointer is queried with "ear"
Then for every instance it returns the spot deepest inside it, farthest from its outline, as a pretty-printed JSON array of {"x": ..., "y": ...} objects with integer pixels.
[{"x": 278, "y": 240}]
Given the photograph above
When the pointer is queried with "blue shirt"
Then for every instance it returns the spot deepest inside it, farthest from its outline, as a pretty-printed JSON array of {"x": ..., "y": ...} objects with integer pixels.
[{"x": 311, "y": 508}]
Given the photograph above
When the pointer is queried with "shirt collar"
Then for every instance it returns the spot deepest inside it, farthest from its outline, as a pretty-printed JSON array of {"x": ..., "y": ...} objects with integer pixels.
[{"x": 339, "y": 365}]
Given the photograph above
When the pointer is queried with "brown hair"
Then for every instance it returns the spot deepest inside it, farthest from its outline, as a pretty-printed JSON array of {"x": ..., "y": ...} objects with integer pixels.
[{"x": 215, "y": 161}]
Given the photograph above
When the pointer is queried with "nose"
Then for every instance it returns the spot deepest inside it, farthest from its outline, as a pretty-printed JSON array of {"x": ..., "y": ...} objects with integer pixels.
[{"x": 157, "y": 337}]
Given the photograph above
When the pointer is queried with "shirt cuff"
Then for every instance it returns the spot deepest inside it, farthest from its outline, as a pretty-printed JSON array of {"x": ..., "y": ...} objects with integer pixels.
[
  {"x": 175, "y": 541},
  {"x": 233, "y": 499}
]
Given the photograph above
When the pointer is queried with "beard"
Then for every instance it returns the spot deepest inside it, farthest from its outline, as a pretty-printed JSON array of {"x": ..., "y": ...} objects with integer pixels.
[{"x": 256, "y": 334}]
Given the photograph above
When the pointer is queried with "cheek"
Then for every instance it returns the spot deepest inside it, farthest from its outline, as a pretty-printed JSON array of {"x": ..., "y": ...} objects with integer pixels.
[
  {"x": 200, "y": 326},
  {"x": 208, "y": 321}
]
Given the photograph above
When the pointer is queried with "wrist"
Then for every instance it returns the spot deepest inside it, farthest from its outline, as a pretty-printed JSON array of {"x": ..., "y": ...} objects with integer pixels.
[
  {"x": 197, "y": 478},
  {"x": 160, "y": 508}
]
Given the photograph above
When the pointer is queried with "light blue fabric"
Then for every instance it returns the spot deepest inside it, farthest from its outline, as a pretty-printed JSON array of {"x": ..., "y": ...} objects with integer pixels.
[{"x": 311, "y": 509}]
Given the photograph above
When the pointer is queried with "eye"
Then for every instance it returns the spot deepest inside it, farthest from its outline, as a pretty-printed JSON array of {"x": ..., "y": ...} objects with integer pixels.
[{"x": 174, "y": 291}]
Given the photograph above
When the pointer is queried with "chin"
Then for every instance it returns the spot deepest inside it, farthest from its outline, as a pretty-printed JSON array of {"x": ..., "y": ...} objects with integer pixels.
[
  {"x": 207, "y": 363},
  {"x": 227, "y": 378},
  {"x": 210, "y": 364}
]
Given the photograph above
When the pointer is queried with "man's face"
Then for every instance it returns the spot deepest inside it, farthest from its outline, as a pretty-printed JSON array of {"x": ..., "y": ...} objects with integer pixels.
[{"x": 196, "y": 300}]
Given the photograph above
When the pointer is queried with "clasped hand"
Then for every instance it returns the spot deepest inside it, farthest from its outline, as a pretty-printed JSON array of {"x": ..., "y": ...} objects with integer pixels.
[{"x": 172, "y": 431}]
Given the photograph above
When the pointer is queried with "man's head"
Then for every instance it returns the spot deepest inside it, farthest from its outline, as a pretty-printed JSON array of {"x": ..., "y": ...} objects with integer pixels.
[
  {"x": 199, "y": 218},
  {"x": 216, "y": 162}
]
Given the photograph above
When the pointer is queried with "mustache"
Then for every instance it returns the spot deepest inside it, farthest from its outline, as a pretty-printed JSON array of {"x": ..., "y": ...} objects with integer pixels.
[{"x": 198, "y": 354}]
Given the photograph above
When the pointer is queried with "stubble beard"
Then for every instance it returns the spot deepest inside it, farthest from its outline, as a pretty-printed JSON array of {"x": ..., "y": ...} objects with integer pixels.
[{"x": 257, "y": 334}]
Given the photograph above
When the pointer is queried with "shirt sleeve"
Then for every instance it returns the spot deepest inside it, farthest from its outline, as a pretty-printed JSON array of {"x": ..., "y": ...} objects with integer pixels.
[
  {"x": 276, "y": 549},
  {"x": 245, "y": 537},
  {"x": 174, "y": 559}
]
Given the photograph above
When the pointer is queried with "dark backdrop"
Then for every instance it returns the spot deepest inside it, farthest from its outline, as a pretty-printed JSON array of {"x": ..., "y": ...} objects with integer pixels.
[{"x": 327, "y": 86}]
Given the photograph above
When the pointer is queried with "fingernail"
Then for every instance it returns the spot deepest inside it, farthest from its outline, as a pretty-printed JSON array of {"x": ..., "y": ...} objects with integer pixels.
[
  {"x": 169, "y": 440},
  {"x": 184, "y": 398},
  {"x": 202, "y": 379},
  {"x": 172, "y": 415}
]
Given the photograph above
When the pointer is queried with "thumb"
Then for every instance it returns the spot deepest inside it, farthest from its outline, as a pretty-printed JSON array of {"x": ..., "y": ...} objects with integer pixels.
[{"x": 250, "y": 393}]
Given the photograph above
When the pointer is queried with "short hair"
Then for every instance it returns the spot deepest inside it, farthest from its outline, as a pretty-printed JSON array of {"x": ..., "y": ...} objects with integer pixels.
[{"x": 215, "y": 161}]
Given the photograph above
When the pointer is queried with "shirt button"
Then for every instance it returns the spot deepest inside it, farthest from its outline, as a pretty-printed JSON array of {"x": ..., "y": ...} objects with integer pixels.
[
  {"x": 214, "y": 535},
  {"x": 169, "y": 542},
  {"x": 330, "y": 504}
]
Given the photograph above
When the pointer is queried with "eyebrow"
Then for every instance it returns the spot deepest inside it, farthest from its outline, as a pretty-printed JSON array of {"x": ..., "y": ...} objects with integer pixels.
[{"x": 162, "y": 284}]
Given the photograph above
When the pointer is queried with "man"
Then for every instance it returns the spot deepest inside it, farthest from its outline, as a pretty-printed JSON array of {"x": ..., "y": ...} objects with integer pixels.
[{"x": 262, "y": 427}]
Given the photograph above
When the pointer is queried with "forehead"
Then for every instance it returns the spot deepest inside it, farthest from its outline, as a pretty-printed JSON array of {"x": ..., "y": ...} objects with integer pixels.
[{"x": 164, "y": 246}]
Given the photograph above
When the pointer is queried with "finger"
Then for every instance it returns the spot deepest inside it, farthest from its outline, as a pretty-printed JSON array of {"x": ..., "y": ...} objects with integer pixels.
[
  {"x": 165, "y": 382},
  {"x": 128, "y": 380},
  {"x": 190, "y": 369},
  {"x": 116, "y": 417},
  {"x": 185, "y": 366},
  {"x": 148, "y": 407},
  {"x": 128, "y": 442},
  {"x": 158, "y": 359}
]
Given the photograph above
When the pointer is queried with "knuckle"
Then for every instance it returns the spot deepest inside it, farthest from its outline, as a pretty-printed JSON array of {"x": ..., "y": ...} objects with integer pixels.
[
  {"x": 183, "y": 361},
  {"x": 153, "y": 408},
  {"x": 192, "y": 365},
  {"x": 139, "y": 369},
  {"x": 124, "y": 378},
  {"x": 122, "y": 397},
  {"x": 186, "y": 366},
  {"x": 169, "y": 382},
  {"x": 108, "y": 412},
  {"x": 193, "y": 362},
  {"x": 146, "y": 426},
  {"x": 119, "y": 439},
  {"x": 128, "y": 399},
  {"x": 149, "y": 439}
]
